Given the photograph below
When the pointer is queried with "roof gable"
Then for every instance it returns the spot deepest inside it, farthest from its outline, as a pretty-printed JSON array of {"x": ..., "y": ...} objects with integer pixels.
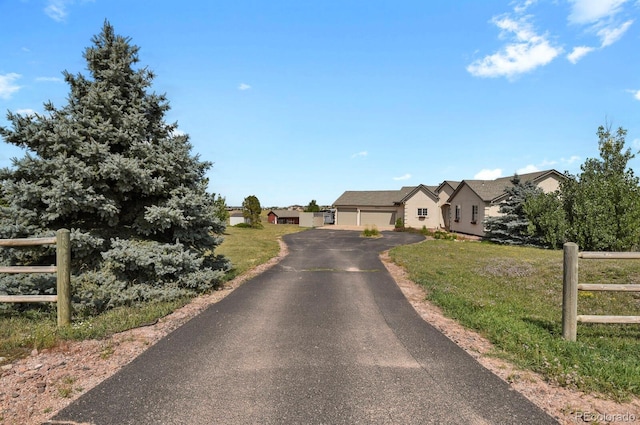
[
  {"x": 428, "y": 190},
  {"x": 492, "y": 190}
]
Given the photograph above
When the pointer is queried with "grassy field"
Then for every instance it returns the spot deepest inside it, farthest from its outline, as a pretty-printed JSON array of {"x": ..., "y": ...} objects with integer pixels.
[
  {"x": 513, "y": 296},
  {"x": 36, "y": 329}
]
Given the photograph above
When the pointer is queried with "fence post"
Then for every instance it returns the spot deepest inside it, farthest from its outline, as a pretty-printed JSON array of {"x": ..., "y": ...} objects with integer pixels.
[
  {"x": 63, "y": 260},
  {"x": 570, "y": 291}
]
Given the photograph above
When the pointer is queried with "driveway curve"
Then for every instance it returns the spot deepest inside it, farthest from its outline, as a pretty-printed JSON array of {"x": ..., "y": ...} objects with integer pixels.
[{"x": 324, "y": 337}]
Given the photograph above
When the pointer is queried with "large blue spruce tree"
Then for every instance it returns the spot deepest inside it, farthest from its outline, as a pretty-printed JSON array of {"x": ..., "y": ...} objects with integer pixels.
[{"x": 108, "y": 167}]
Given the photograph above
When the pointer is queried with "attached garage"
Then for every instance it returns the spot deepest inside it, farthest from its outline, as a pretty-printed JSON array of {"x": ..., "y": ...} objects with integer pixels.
[
  {"x": 377, "y": 218},
  {"x": 347, "y": 216},
  {"x": 378, "y": 208}
]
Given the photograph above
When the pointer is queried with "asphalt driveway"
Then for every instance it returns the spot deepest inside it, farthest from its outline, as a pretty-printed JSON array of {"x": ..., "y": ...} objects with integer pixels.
[{"x": 324, "y": 337}]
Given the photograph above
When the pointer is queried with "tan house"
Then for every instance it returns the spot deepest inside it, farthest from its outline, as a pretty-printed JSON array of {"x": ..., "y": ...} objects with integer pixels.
[
  {"x": 417, "y": 206},
  {"x": 475, "y": 200},
  {"x": 454, "y": 206}
]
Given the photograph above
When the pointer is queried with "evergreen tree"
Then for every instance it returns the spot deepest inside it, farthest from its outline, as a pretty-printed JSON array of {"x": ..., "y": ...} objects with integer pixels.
[
  {"x": 221, "y": 212},
  {"x": 512, "y": 226},
  {"x": 251, "y": 210},
  {"x": 602, "y": 203},
  {"x": 107, "y": 166}
]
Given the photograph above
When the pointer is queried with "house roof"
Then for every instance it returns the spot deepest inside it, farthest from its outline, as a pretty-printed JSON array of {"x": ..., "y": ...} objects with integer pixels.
[
  {"x": 492, "y": 190},
  {"x": 285, "y": 213},
  {"x": 454, "y": 185},
  {"x": 429, "y": 190},
  {"x": 371, "y": 198},
  {"x": 384, "y": 198}
]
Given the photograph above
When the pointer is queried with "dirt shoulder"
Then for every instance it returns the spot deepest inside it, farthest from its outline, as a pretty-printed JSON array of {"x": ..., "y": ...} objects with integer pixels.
[{"x": 33, "y": 389}]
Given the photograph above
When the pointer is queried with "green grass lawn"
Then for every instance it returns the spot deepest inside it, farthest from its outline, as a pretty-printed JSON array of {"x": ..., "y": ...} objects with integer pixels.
[
  {"x": 22, "y": 332},
  {"x": 247, "y": 248},
  {"x": 513, "y": 296}
]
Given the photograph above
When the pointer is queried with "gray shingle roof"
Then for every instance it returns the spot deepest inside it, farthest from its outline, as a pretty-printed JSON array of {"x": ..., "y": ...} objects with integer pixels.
[
  {"x": 489, "y": 190},
  {"x": 371, "y": 198},
  {"x": 286, "y": 213}
]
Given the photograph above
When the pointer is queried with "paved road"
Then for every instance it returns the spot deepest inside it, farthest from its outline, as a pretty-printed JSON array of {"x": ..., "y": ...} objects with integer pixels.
[{"x": 325, "y": 337}]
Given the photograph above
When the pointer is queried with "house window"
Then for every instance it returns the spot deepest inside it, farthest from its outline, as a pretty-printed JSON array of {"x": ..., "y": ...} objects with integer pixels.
[
  {"x": 458, "y": 213},
  {"x": 474, "y": 214},
  {"x": 422, "y": 212}
]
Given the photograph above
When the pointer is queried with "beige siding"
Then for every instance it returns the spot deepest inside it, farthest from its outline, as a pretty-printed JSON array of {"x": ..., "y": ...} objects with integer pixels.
[
  {"x": 466, "y": 199},
  {"x": 549, "y": 184},
  {"x": 445, "y": 212},
  {"x": 421, "y": 200}
]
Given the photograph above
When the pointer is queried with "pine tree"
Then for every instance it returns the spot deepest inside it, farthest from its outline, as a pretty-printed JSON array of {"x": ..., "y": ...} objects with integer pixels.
[
  {"x": 512, "y": 226},
  {"x": 107, "y": 166}
]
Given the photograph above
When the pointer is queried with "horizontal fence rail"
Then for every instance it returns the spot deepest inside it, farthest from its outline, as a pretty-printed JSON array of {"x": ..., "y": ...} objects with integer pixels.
[
  {"x": 570, "y": 288},
  {"x": 62, "y": 269}
]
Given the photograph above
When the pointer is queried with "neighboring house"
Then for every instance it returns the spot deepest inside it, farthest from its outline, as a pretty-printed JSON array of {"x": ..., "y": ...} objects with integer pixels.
[
  {"x": 237, "y": 218},
  {"x": 417, "y": 206},
  {"x": 283, "y": 217},
  {"x": 475, "y": 200}
]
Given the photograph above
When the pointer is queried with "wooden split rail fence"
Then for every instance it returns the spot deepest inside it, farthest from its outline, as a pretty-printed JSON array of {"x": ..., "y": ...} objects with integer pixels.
[
  {"x": 62, "y": 270},
  {"x": 570, "y": 317}
]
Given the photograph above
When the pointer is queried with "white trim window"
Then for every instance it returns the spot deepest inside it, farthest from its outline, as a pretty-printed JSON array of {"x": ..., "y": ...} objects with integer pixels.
[
  {"x": 458, "y": 213},
  {"x": 422, "y": 212},
  {"x": 474, "y": 214}
]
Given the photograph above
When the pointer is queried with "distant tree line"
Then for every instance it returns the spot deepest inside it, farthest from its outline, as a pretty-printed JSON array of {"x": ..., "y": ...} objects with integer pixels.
[{"x": 599, "y": 208}]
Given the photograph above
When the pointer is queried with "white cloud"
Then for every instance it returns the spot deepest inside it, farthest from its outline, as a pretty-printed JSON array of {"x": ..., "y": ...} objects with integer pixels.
[
  {"x": 49, "y": 80},
  {"x": 57, "y": 10},
  {"x": 487, "y": 174},
  {"x": 578, "y": 53},
  {"x": 528, "y": 169},
  {"x": 635, "y": 93},
  {"x": 570, "y": 160},
  {"x": 405, "y": 177},
  {"x": 591, "y": 11},
  {"x": 636, "y": 143},
  {"x": 25, "y": 111},
  {"x": 526, "y": 51},
  {"x": 547, "y": 163},
  {"x": 609, "y": 34},
  {"x": 360, "y": 154},
  {"x": 244, "y": 86},
  {"x": 600, "y": 18},
  {"x": 7, "y": 85},
  {"x": 521, "y": 8}
]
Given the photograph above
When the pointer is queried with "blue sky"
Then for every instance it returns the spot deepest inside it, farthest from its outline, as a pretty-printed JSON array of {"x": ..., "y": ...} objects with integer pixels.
[{"x": 296, "y": 100}]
